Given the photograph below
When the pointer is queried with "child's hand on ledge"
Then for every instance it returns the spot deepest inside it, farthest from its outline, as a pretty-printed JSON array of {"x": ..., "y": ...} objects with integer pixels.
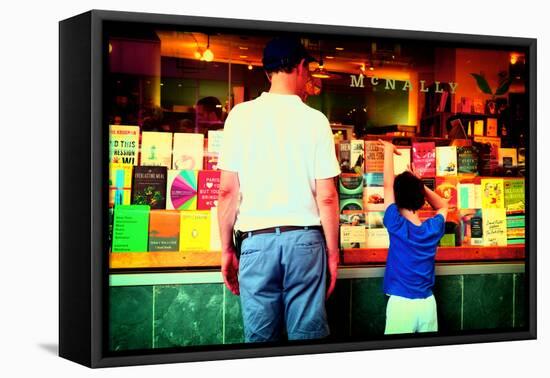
[{"x": 389, "y": 146}]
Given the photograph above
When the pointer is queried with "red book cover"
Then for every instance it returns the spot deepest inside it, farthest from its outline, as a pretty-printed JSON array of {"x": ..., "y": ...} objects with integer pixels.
[
  {"x": 423, "y": 157},
  {"x": 208, "y": 188},
  {"x": 446, "y": 187}
]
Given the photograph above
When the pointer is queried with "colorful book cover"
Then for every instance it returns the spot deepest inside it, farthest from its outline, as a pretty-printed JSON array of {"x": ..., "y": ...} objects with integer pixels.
[
  {"x": 494, "y": 227},
  {"x": 423, "y": 157},
  {"x": 149, "y": 186},
  {"x": 466, "y": 196},
  {"x": 446, "y": 161},
  {"x": 195, "y": 230},
  {"x": 446, "y": 187},
  {"x": 374, "y": 156},
  {"x": 374, "y": 219},
  {"x": 344, "y": 156},
  {"x": 211, "y": 161},
  {"x": 465, "y": 219},
  {"x": 156, "y": 149},
  {"x": 377, "y": 238},
  {"x": 492, "y": 193},
  {"x": 181, "y": 190},
  {"x": 430, "y": 183},
  {"x": 123, "y": 144},
  {"x": 188, "y": 151},
  {"x": 515, "y": 229},
  {"x": 373, "y": 198},
  {"x": 351, "y": 204},
  {"x": 478, "y": 127},
  {"x": 352, "y": 237},
  {"x": 467, "y": 160},
  {"x": 492, "y": 130},
  {"x": 488, "y": 154},
  {"x": 514, "y": 195},
  {"x": 120, "y": 184},
  {"x": 508, "y": 158},
  {"x": 357, "y": 156},
  {"x": 164, "y": 230},
  {"x": 402, "y": 162},
  {"x": 215, "y": 140},
  {"x": 350, "y": 185},
  {"x": 130, "y": 228},
  {"x": 373, "y": 179},
  {"x": 208, "y": 189},
  {"x": 215, "y": 238},
  {"x": 353, "y": 217}
]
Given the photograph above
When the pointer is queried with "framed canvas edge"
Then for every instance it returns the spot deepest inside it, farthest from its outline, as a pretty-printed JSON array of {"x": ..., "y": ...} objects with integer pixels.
[{"x": 99, "y": 261}]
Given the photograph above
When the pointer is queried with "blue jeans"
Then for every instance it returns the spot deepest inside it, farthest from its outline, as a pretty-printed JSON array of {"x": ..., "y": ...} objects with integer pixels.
[{"x": 282, "y": 281}]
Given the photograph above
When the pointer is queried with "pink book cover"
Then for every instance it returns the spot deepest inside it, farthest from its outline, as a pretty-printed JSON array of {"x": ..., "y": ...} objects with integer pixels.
[
  {"x": 423, "y": 157},
  {"x": 208, "y": 188}
]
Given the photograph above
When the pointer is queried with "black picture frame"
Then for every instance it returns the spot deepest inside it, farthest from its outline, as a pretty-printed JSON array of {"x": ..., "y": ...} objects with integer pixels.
[{"x": 83, "y": 217}]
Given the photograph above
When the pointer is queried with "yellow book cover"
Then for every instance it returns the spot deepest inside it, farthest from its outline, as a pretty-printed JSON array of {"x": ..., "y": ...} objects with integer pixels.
[
  {"x": 492, "y": 193},
  {"x": 123, "y": 144},
  {"x": 156, "y": 149},
  {"x": 120, "y": 184},
  {"x": 195, "y": 230},
  {"x": 401, "y": 162},
  {"x": 494, "y": 227}
]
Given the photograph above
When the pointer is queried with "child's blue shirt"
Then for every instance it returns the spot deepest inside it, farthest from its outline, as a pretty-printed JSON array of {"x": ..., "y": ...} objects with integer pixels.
[{"x": 410, "y": 267}]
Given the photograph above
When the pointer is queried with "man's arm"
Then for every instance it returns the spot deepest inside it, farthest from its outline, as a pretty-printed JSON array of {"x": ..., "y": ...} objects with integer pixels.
[
  {"x": 227, "y": 212},
  {"x": 389, "y": 175},
  {"x": 326, "y": 197}
]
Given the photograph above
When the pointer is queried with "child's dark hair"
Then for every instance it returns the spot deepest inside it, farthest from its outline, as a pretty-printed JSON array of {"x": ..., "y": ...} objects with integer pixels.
[{"x": 409, "y": 191}]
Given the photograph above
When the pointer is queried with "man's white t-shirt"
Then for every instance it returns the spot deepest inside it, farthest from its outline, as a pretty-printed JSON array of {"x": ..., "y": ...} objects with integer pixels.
[{"x": 278, "y": 146}]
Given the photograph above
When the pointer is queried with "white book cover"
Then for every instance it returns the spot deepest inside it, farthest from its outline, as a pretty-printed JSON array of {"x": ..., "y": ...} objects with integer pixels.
[
  {"x": 477, "y": 196},
  {"x": 373, "y": 198},
  {"x": 401, "y": 162},
  {"x": 188, "y": 151},
  {"x": 377, "y": 238},
  {"x": 445, "y": 160},
  {"x": 215, "y": 140},
  {"x": 123, "y": 144},
  {"x": 156, "y": 149}
]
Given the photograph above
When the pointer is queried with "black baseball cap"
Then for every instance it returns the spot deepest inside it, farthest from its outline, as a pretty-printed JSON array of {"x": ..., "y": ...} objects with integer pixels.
[{"x": 284, "y": 51}]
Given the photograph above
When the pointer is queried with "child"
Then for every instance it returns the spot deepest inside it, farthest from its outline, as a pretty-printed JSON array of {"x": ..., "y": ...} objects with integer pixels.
[{"x": 410, "y": 267}]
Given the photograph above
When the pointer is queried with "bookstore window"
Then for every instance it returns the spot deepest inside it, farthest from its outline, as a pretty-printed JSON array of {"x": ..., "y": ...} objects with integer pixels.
[{"x": 458, "y": 114}]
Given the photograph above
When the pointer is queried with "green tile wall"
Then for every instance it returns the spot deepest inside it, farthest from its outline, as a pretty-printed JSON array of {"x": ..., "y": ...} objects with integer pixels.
[
  {"x": 131, "y": 318},
  {"x": 144, "y": 317}
]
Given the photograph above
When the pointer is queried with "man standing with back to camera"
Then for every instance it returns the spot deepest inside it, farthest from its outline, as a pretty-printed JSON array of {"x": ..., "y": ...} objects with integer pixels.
[{"x": 278, "y": 165}]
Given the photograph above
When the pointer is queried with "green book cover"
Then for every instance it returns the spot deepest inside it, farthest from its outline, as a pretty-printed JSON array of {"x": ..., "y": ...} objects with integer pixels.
[
  {"x": 350, "y": 186},
  {"x": 448, "y": 240},
  {"x": 130, "y": 228},
  {"x": 514, "y": 195}
]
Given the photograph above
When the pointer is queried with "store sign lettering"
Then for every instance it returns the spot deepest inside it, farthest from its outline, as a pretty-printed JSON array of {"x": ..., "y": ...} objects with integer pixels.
[{"x": 358, "y": 81}]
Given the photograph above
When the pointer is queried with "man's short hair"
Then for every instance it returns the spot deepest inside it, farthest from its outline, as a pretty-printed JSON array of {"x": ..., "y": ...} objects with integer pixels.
[
  {"x": 211, "y": 104},
  {"x": 284, "y": 54},
  {"x": 409, "y": 191}
]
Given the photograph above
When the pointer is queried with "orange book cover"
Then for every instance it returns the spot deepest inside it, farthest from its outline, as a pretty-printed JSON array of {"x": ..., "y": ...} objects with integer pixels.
[{"x": 164, "y": 230}]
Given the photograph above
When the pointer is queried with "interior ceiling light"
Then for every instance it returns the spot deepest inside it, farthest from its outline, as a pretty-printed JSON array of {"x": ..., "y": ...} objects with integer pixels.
[
  {"x": 208, "y": 55},
  {"x": 320, "y": 71}
]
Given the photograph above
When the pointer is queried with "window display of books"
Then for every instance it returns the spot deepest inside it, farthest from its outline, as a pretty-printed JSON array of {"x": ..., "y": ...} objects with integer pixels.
[
  {"x": 162, "y": 199},
  {"x": 485, "y": 209}
]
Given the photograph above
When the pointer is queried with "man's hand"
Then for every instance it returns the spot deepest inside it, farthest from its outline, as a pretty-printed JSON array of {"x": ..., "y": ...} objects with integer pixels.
[
  {"x": 230, "y": 269},
  {"x": 333, "y": 259}
]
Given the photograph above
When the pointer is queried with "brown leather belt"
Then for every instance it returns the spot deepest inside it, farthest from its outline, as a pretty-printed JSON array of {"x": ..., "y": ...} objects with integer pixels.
[{"x": 273, "y": 230}]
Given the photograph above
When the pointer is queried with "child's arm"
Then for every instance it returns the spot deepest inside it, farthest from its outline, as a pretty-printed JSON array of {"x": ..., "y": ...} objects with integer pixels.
[
  {"x": 389, "y": 150},
  {"x": 440, "y": 204}
]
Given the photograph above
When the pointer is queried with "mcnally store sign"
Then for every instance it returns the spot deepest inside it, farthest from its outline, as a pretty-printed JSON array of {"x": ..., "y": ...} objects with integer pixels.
[{"x": 358, "y": 81}]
